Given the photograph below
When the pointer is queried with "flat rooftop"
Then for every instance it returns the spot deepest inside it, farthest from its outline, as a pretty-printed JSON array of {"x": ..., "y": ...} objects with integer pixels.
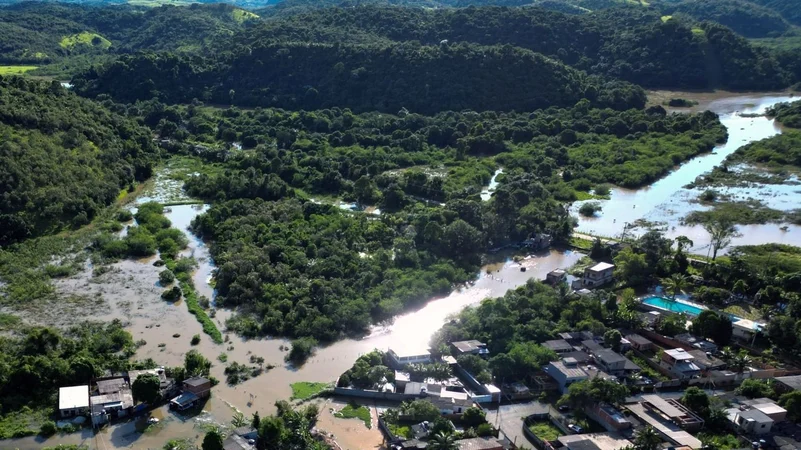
[
  {"x": 669, "y": 430},
  {"x": 558, "y": 345},
  {"x": 679, "y": 354},
  {"x": 468, "y": 346},
  {"x": 600, "y": 267},
  {"x": 567, "y": 370},
  {"x": 73, "y": 397},
  {"x": 609, "y": 356},
  {"x": 602, "y": 441}
]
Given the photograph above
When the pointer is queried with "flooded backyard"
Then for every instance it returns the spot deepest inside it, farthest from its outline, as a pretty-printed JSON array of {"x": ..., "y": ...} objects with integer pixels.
[{"x": 667, "y": 202}]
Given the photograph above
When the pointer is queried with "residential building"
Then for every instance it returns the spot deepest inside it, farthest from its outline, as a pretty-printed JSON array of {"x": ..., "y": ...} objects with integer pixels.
[
  {"x": 556, "y": 276},
  {"x": 593, "y": 441},
  {"x": 114, "y": 403},
  {"x": 565, "y": 372},
  {"x": 199, "y": 386},
  {"x": 697, "y": 342},
  {"x": 598, "y": 275},
  {"x": 640, "y": 343},
  {"x": 242, "y": 438},
  {"x": 706, "y": 361},
  {"x": 745, "y": 329},
  {"x": 472, "y": 347},
  {"x": 575, "y": 337},
  {"x": 558, "y": 346},
  {"x": 591, "y": 346},
  {"x": 783, "y": 385},
  {"x": 73, "y": 400},
  {"x": 111, "y": 385},
  {"x": 481, "y": 443},
  {"x": 768, "y": 407},
  {"x": 404, "y": 357},
  {"x": 451, "y": 405},
  {"x": 673, "y": 411},
  {"x": 184, "y": 401},
  {"x": 750, "y": 421},
  {"x": 164, "y": 382},
  {"x": 610, "y": 361},
  {"x": 610, "y": 418},
  {"x": 680, "y": 363},
  {"x": 539, "y": 241}
]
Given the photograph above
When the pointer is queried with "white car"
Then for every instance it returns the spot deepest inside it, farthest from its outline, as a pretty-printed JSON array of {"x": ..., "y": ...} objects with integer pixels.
[{"x": 577, "y": 429}]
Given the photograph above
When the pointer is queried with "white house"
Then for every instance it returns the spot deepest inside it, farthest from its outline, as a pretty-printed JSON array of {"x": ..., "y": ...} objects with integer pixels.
[
  {"x": 598, "y": 275},
  {"x": 405, "y": 356},
  {"x": 73, "y": 400},
  {"x": 751, "y": 420},
  {"x": 566, "y": 372},
  {"x": 680, "y": 363}
]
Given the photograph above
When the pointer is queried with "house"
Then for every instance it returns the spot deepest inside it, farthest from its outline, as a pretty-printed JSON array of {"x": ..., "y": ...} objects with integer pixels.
[
  {"x": 680, "y": 363},
  {"x": 184, "y": 401},
  {"x": 640, "y": 343},
  {"x": 73, "y": 400},
  {"x": 164, "y": 382},
  {"x": 697, "y": 342},
  {"x": 566, "y": 372},
  {"x": 768, "y": 407},
  {"x": 706, "y": 361},
  {"x": 750, "y": 421},
  {"x": 242, "y": 438},
  {"x": 405, "y": 357},
  {"x": 556, "y": 276},
  {"x": 591, "y": 346},
  {"x": 111, "y": 385},
  {"x": 610, "y": 418},
  {"x": 117, "y": 403},
  {"x": 598, "y": 275},
  {"x": 481, "y": 443},
  {"x": 558, "y": 346},
  {"x": 472, "y": 347},
  {"x": 665, "y": 418},
  {"x": 451, "y": 405},
  {"x": 538, "y": 241},
  {"x": 671, "y": 410},
  {"x": 581, "y": 357},
  {"x": 575, "y": 337},
  {"x": 593, "y": 441},
  {"x": 783, "y": 385},
  {"x": 745, "y": 329},
  {"x": 610, "y": 361},
  {"x": 199, "y": 386}
]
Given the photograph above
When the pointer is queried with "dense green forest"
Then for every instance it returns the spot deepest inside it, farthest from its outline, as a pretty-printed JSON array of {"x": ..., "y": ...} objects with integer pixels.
[
  {"x": 744, "y": 17},
  {"x": 385, "y": 58},
  {"x": 62, "y": 158},
  {"x": 40, "y": 33}
]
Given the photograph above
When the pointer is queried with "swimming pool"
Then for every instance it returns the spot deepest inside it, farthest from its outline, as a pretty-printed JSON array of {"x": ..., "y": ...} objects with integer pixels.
[{"x": 672, "y": 306}]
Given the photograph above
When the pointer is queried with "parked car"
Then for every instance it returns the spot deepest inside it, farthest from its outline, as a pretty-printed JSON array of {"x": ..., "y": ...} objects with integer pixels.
[{"x": 575, "y": 428}]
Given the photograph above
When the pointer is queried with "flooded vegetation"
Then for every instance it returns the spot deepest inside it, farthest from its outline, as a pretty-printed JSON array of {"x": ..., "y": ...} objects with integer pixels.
[{"x": 666, "y": 203}]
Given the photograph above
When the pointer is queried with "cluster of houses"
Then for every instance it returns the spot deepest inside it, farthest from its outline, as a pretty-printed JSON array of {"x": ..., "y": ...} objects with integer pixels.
[{"x": 108, "y": 398}]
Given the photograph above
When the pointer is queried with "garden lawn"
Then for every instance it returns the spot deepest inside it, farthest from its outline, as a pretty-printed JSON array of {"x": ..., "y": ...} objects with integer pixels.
[
  {"x": 303, "y": 390},
  {"x": 545, "y": 431},
  {"x": 355, "y": 412}
]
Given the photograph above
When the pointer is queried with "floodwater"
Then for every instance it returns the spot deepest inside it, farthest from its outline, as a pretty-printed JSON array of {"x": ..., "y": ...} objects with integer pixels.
[{"x": 666, "y": 202}]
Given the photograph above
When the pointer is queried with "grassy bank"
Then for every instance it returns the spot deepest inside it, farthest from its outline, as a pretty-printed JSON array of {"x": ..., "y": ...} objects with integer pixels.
[
  {"x": 352, "y": 411},
  {"x": 304, "y": 390}
]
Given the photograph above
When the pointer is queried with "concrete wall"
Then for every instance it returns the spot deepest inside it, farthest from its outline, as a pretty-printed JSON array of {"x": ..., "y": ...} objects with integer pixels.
[{"x": 361, "y": 393}]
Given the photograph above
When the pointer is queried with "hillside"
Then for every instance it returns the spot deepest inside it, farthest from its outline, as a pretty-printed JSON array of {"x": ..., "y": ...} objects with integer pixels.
[
  {"x": 62, "y": 158},
  {"x": 41, "y": 33},
  {"x": 789, "y": 9},
  {"x": 423, "y": 79},
  {"x": 745, "y": 18},
  {"x": 633, "y": 44}
]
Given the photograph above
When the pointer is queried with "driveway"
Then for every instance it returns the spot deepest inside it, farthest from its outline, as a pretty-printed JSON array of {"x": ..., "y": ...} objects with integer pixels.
[{"x": 509, "y": 418}]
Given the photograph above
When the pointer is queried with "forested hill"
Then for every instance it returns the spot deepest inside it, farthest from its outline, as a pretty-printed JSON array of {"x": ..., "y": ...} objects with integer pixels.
[
  {"x": 746, "y": 18},
  {"x": 33, "y": 32},
  {"x": 633, "y": 44},
  {"x": 62, "y": 158},
  {"x": 424, "y": 79}
]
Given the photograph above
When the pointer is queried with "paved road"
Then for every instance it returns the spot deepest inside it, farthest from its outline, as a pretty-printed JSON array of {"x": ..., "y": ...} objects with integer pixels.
[{"x": 509, "y": 418}]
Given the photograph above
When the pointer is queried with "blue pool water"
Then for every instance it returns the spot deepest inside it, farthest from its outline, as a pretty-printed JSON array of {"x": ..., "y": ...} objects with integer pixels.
[{"x": 668, "y": 304}]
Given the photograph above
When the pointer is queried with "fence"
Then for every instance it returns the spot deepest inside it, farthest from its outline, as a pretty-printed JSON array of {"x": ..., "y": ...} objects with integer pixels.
[{"x": 362, "y": 393}]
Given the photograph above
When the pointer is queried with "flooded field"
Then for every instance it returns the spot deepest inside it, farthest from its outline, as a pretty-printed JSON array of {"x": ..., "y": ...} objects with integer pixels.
[{"x": 666, "y": 202}]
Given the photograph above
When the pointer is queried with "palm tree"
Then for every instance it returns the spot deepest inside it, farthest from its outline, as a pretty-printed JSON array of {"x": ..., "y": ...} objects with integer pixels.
[
  {"x": 442, "y": 441},
  {"x": 675, "y": 284},
  {"x": 647, "y": 439}
]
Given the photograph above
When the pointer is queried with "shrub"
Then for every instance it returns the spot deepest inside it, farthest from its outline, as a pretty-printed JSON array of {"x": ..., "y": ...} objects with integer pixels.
[
  {"x": 302, "y": 348},
  {"x": 603, "y": 190},
  {"x": 48, "y": 428},
  {"x": 589, "y": 209},
  {"x": 195, "y": 339},
  {"x": 166, "y": 277},
  {"x": 171, "y": 295},
  {"x": 125, "y": 216}
]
